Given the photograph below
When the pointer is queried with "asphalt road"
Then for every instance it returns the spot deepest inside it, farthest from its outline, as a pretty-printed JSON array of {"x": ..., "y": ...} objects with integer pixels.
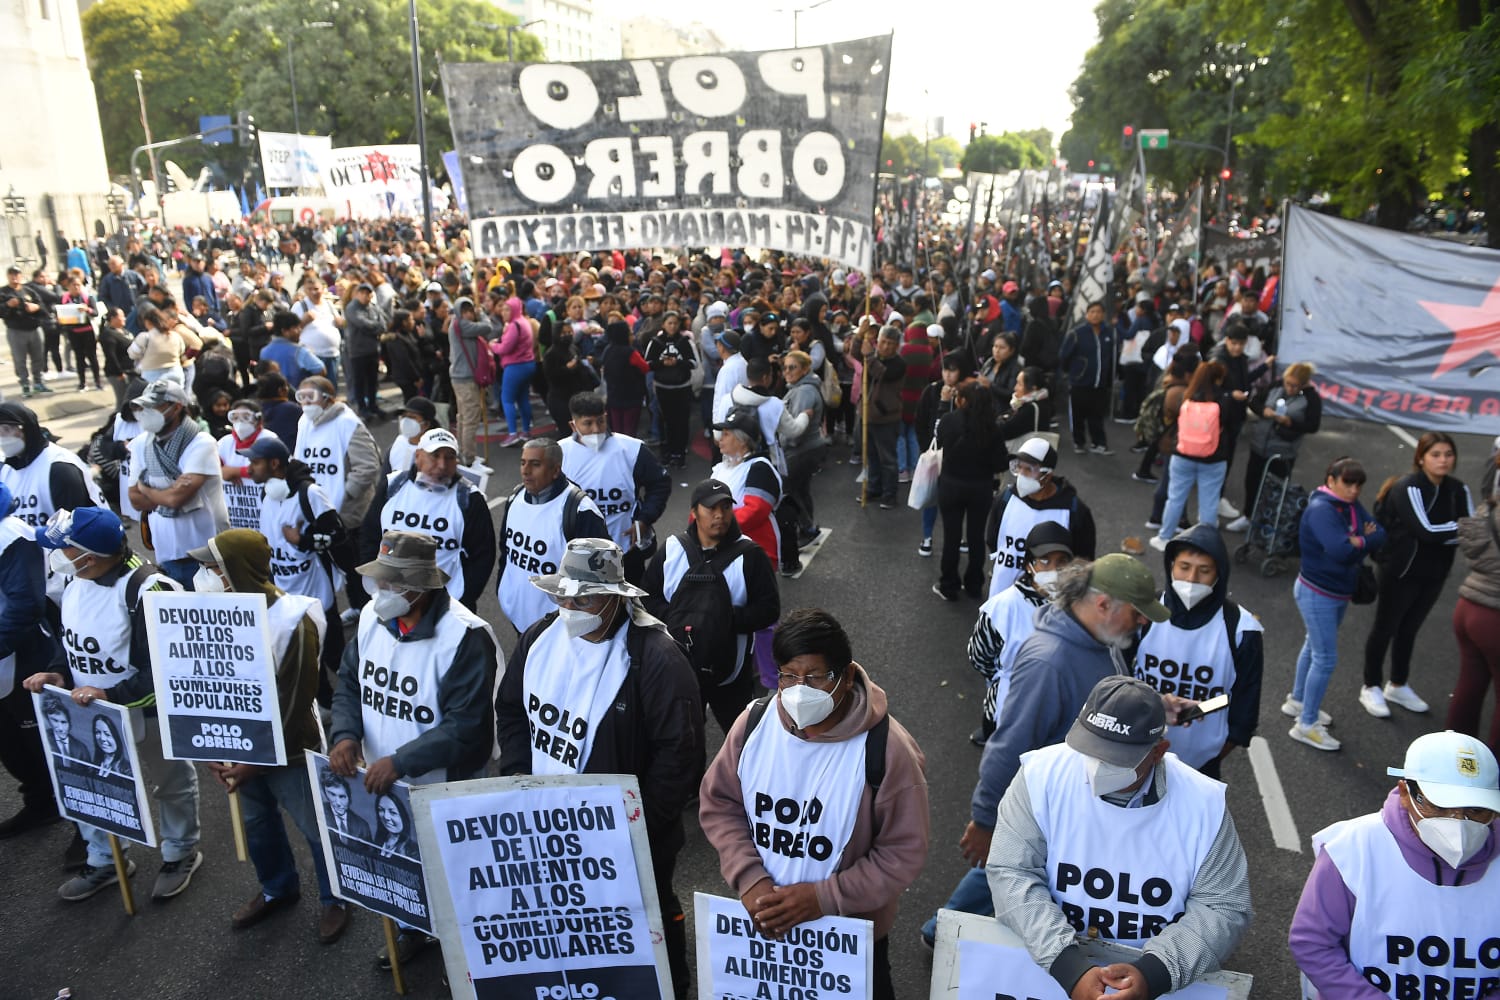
[{"x": 870, "y": 575}]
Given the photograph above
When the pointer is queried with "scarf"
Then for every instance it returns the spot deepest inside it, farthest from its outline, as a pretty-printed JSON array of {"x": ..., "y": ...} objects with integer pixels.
[{"x": 162, "y": 457}]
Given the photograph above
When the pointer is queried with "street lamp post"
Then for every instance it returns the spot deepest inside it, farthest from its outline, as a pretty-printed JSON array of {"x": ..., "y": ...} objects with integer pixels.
[
  {"x": 421, "y": 112},
  {"x": 140, "y": 93},
  {"x": 797, "y": 12},
  {"x": 510, "y": 36},
  {"x": 291, "y": 71}
]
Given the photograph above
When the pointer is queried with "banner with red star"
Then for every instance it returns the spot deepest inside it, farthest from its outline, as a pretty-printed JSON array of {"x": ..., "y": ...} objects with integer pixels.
[{"x": 1403, "y": 329}]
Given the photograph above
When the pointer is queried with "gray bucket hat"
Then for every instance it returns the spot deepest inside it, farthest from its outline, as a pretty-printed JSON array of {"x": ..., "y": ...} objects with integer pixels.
[
  {"x": 406, "y": 558},
  {"x": 589, "y": 566}
]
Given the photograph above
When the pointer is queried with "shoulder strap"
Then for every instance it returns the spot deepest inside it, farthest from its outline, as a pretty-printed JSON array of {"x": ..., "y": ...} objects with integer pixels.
[
  {"x": 875, "y": 740},
  {"x": 505, "y": 513},
  {"x": 305, "y": 501},
  {"x": 576, "y": 496},
  {"x": 1232, "y": 624},
  {"x": 757, "y": 712},
  {"x": 135, "y": 585}
]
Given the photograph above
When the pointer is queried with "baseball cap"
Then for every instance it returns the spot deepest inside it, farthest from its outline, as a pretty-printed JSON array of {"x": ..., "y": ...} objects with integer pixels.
[
  {"x": 435, "y": 286},
  {"x": 435, "y": 439},
  {"x": 13, "y": 269},
  {"x": 163, "y": 390},
  {"x": 92, "y": 529},
  {"x": 1054, "y": 284},
  {"x": 987, "y": 274},
  {"x": 269, "y": 448},
  {"x": 717, "y": 309},
  {"x": 935, "y": 331},
  {"x": 744, "y": 421},
  {"x": 364, "y": 286},
  {"x": 420, "y": 406},
  {"x": 1040, "y": 451},
  {"x": 711, "y": 493},
  {"x": 1047, "y": 537},
  {"x": 1455, "y": 771},
  {"x": 1120, "y": 722},
  {"x": 730, "y": 339},
  {"x": 1142, "y": 297},
  {"x": 1123, "y": 578},
  {"x": 1008, "y": 287}
]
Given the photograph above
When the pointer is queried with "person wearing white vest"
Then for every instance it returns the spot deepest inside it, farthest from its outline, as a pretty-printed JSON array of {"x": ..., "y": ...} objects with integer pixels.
[
  {"x": 416, "y": 417},
  {"x": 431, "y": 497},
  {"x": 541, "y": 516},
  {"x": 826, "y": 746},
  {"x": 344, "y": 461},
  {"x": 600, "y": 660},
  {"x": 43, "y": 477},
  {"x": 1406, "y": 902},
  {"x": 109, "y": 659},
  {"x": 622, "y": 476},
  {"x": 1108, "y": 834},
  {"x": 1038, "y": 494},
  {"x": 239, "y": 561},
  {"x": 1210, "y": 646},
  {"x": 242, "y": 495}
]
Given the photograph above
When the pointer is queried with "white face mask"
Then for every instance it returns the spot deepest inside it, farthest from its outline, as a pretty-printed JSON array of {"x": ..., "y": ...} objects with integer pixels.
[
  {"x": 592, "y": 441},
  {"x": 206, "y": 581},
  {"x": 10, "y": 447},
  {"x": 1106, "y": 778},
  {"x": 243, "y": 429},
  {"x": 1026, "y": 486},
  {"x": 409, "y": 427},
  {"x": 807, "y": 705},
  {"x": 1453, "y": 839},
  {"x": 151, "y": 421},
  {"x": 313, "y": 411},
  {"x": 389, "y": 604},
  {"x": 578, "y": 622},
  {"x": 277, "y": 489},
  {"x": 60, "y": 564},
  {"x": 1191, "y": 593},
  {"x": 1045, "y": 580}
]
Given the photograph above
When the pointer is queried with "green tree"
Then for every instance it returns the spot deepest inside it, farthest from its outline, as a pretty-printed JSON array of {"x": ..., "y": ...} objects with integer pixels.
[
  {"x": 948, "y": 151},
  {"x": 909, "y": 154},
  {"x": 994, "y": 154}
]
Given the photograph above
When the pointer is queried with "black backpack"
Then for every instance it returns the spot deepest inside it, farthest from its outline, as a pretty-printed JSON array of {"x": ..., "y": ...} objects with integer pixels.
[
  {"x": 875, "y": 740},
  {"x": 700, "y": 615}
]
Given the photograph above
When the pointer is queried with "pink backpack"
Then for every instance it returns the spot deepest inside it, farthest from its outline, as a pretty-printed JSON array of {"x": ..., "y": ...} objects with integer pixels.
[{"x": 1198, "y": 429}]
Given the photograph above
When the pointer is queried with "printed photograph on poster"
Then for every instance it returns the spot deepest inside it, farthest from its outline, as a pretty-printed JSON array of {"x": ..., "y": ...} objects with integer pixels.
[
  {"x": 370, "y": 844},
  {"x": 827, "y": 958},
  {"x": 215, "y": 682},
  {"x": 777, "y": 149},
  {"x": 96, "y": 772},
  {"x": 543, "y": 888}
]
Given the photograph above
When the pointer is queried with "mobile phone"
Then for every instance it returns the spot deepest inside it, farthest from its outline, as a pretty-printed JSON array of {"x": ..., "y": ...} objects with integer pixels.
[{"x": 1203, "y": 708}]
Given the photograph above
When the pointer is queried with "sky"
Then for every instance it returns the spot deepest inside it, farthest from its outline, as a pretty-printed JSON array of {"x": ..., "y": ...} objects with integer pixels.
[{"x": 1008, "y": 64}]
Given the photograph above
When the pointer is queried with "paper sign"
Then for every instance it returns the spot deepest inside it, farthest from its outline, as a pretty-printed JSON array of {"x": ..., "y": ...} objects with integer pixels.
[
  {"x": 828, "y": 958},
  {"x": 96, "y": 773}
]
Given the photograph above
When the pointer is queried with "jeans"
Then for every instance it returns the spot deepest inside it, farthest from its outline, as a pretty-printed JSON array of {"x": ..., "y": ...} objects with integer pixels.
[
  {"x": 907, "y": 448},
  {"x": 175, "y": 786},
  {"x": 330, "y": 369},
  {"x": 929, "y": 520},
  {"x": 515, "y": 395},
  {"x": 1320, "y": 650},
  {"x": 1186, "y": 473},
  {"x": 265, "y": 832},
  {"x": 971, "y": 895},
  {"x": 182, "y": 570},
  {"x": 883, "y": 466}
]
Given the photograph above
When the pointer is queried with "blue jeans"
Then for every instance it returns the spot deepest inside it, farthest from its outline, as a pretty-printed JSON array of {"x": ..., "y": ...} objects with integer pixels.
[
  {"x": 907, "y": 448},
  {"x": 1320, "y": 650},
  {"x": 929, "y": 520},
  {"x": 265, "y": 832},
  {"x": 182, "y": 570},
  {"x": 971, "y": 895},
  {"x": 515, "y": 396},
  {"x": 1186, "y": 473},
  {"x": 175, "y": 788},
  {"x": 330, "y": 370}
]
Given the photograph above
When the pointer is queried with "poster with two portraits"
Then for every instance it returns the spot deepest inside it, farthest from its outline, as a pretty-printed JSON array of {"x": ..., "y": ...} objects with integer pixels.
[{"x": 96, "y": 772}]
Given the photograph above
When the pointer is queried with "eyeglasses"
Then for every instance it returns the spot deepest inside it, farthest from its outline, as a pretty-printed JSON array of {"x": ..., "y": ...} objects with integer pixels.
[
  {"x": 243, "y": 415},
  {"x": 582, "y": 602},
  {"x": 1479, "y": 815},
  {"x": 818, "y": 680}
]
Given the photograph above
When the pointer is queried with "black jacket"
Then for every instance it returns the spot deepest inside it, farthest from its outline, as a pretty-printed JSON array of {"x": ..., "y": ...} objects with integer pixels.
[
  {"x": 65, "y": 480},
  {"x": 16, "y": 317},
  {"x": 762, "y": 595},
  {"x": 1421, "y": 523}
]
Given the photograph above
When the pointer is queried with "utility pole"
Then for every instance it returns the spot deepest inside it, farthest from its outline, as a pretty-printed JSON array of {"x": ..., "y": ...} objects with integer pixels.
[
  {"x": 140, "y": 93},
  {"x": 421, "y": 111}
]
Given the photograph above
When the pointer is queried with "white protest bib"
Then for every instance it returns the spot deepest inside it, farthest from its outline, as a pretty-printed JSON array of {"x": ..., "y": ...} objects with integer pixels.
[
  {"x": 123, "y": 432},
  {"x": 432, "y": 512},
  {"x": 1014, "y": 618},
  {"x": 12, "y": 530},
  {"x": 736, "y": 477},
  {"x": 1016, "y": 522},
  {"x": 801, "y": 799},
  {"x": 532, "y": 546},
  {"x": 283, "y": 616},
  {"x": 1197, "y": 664},
  {"x": 569, "y": 685},
  {"x": 292, "y": 569},
  {"x": 608, "y": 476},
  {"x": 675, "y": 567},
  {"x": 96, "y": 631},
  {"x": 402, "y": 454},
  {"x": 323, "y": 447},
  {"x": 32, "y": 484},
  {"x": 1408, "y": 937},
  {"x": 398, "y": 682},
  {"x": 1125, "y": 871},
  {"x": 242, "y": 496}
]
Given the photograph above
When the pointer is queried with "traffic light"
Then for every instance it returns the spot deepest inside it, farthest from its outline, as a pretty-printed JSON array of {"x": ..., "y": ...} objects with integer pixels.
[
  {"x": 1225, "y": 174},
  {"x": 245, "y": 128},
  {"x": 1091, "y": 164},
  {"x": 973, "y": 128},
  {"x": 1127, "y": 136}
]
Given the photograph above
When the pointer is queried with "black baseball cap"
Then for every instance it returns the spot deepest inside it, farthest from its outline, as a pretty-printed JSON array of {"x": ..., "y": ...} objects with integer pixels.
[
  {"x": 1047, "y": 537},
  {"x": 420, "y": 406},
  {"x": 1120, "y": 722},
  {"x": 711, "y": 493}
]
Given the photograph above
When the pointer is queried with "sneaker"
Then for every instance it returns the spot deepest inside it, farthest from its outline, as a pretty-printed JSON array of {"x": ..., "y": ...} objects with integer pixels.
[
  {"x": 887, "y": 503},
  {"x": 41, "y": 387},
  {"x": 1158, "y": 543},
  {"x": 1227, "y": 509},
  {"x": 947, "y": 595},
  {"x": 1079, "y": 449},
  {"x": 1139, "y": 448},
  {"x": 861, "y": 477},
  {"x": 1101, "y": 449},
  {"x": 1239, "y": 525},
  {"x": 1373, "y": 701},
  {"x": 1154, "y": 524},
  {"x": 1148, "y": 478},
  {"x": 175, "y": 876},
  {"x": 28, "y": 818},
  {"x": 510, "y": 440},
  {"x": 91, "y": 880},
  {"x": 1315, "y": 736},
  {"x": 903, "y": 477},
  {"x": 853, "y": 459},
  {"x": 963, "y": 548},
  {"x": 1404, "y": 696},
  {"x": 791, "y": 569},
  {"x": 1292, "y": 708},
  {"x": 25, "y": 391},
  {"x": 925, "y": 549}
]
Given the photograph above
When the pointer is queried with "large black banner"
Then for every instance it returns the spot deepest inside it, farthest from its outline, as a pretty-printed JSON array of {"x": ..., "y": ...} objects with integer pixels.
[
  {"x": 1226, "y": 248},
  {"x": 773, "y": 149}
]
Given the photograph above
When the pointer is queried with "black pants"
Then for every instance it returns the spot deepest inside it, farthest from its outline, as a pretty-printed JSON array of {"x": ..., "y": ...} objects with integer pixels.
[
  {"x": 676, "y": 416},
  {"x": 21, "y": 751},
  {"x": 1399, "y": 613},
  {"x": 53, "y": 341},
  {"x": 408, "y": 390},
  {"x": 963, "y": 507},
  {"x": 364, "y": 382},
  {"x": 673, "y": 923},
  {"x": 727, "y": 701},
  {"x": 1149, "y": 457},
  {"x": 882, "y": 987},
  {"x": 796, "y": 487},
  {"x": 1090, "y": 404},
  {"x": 354, "y": 584},
  {"x": 883, "y": 472},
  {"x": 85, "y": 352},
  {"x": 1133, "y": 385}
]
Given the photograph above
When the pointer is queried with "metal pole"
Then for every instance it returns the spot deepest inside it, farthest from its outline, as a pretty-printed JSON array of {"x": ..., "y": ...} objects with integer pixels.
[
  {"x": 510, "y": 43},
  {"x": 140, "y": 93},
  {"x": 291, "y": 71},
  {"x": 416, "y": 93},
  {"x": 1234, "y": 82}
]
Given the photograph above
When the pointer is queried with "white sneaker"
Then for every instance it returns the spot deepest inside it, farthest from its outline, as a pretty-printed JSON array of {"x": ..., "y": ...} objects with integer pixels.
[
  {"x": 1238, "y": 525},
  {"x": 1404, "y": 696},
  {"x": 1314, "y": 736},
  {"x": 1292, "y": 708},
  {"x": 1158, "y": 543},
  {"x": 1227, "y": 509},
  {"x": 1374, "y": 702}
]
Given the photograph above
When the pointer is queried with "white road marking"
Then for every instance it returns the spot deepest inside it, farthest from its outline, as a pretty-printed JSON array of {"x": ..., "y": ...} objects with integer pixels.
[
  {"x": 810, "y": 553},
  {"x": 1402, "y": 434},
  {"x": 1273, "y": 797},
  {"x": 498, "y": 500}
]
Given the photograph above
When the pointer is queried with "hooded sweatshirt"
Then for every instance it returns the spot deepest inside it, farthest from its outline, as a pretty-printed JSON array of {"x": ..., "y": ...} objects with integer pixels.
[
  {"x": 1320, "y": 926},
  {"x": 1330, "y": 561},
  {"x": 887, "y": 848},
  {"x": 67, "y": 480}
]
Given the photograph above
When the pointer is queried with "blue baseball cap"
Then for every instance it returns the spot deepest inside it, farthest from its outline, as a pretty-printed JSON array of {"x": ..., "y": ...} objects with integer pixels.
[
  {"x": 268, "y": 448},
  {"x": 93, "y": 529}
]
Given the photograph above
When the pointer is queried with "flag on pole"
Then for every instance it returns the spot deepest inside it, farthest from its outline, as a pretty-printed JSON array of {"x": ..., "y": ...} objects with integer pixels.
[
  {"x": 1403, "y": 329},
  {"x": 1180, "y": 245},
  {"x": 1098, "y": 266}
]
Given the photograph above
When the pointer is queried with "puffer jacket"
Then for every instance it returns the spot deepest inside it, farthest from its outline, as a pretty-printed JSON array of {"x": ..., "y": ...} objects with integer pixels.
[{"x": 1476, "y": 540}]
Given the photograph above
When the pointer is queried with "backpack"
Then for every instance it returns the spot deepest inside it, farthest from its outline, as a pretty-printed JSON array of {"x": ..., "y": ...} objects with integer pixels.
[
  {"x": 483, "y": 366},
  {"x": 1150, "y": 423},
  {"x": 1198, "y": 429},
  {"x": 576, "y": 496},
  {"x": 875, "y": 740},
  {"x": 340, "y": 550},
  {"x": 700, "y": 615},
  {"x": 833, "y": 392}
]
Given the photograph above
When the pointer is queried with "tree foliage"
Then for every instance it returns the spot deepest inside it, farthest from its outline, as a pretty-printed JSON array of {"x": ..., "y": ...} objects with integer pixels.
[{"x": 994, "y": 154}]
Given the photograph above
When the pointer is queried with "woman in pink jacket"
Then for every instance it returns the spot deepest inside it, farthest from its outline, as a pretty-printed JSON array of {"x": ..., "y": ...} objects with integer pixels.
[{"x": 515, "y": 352}]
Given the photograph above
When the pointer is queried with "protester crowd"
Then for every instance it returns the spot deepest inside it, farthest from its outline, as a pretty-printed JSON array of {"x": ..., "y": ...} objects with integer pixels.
[{"x": 239, "y": 439}]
